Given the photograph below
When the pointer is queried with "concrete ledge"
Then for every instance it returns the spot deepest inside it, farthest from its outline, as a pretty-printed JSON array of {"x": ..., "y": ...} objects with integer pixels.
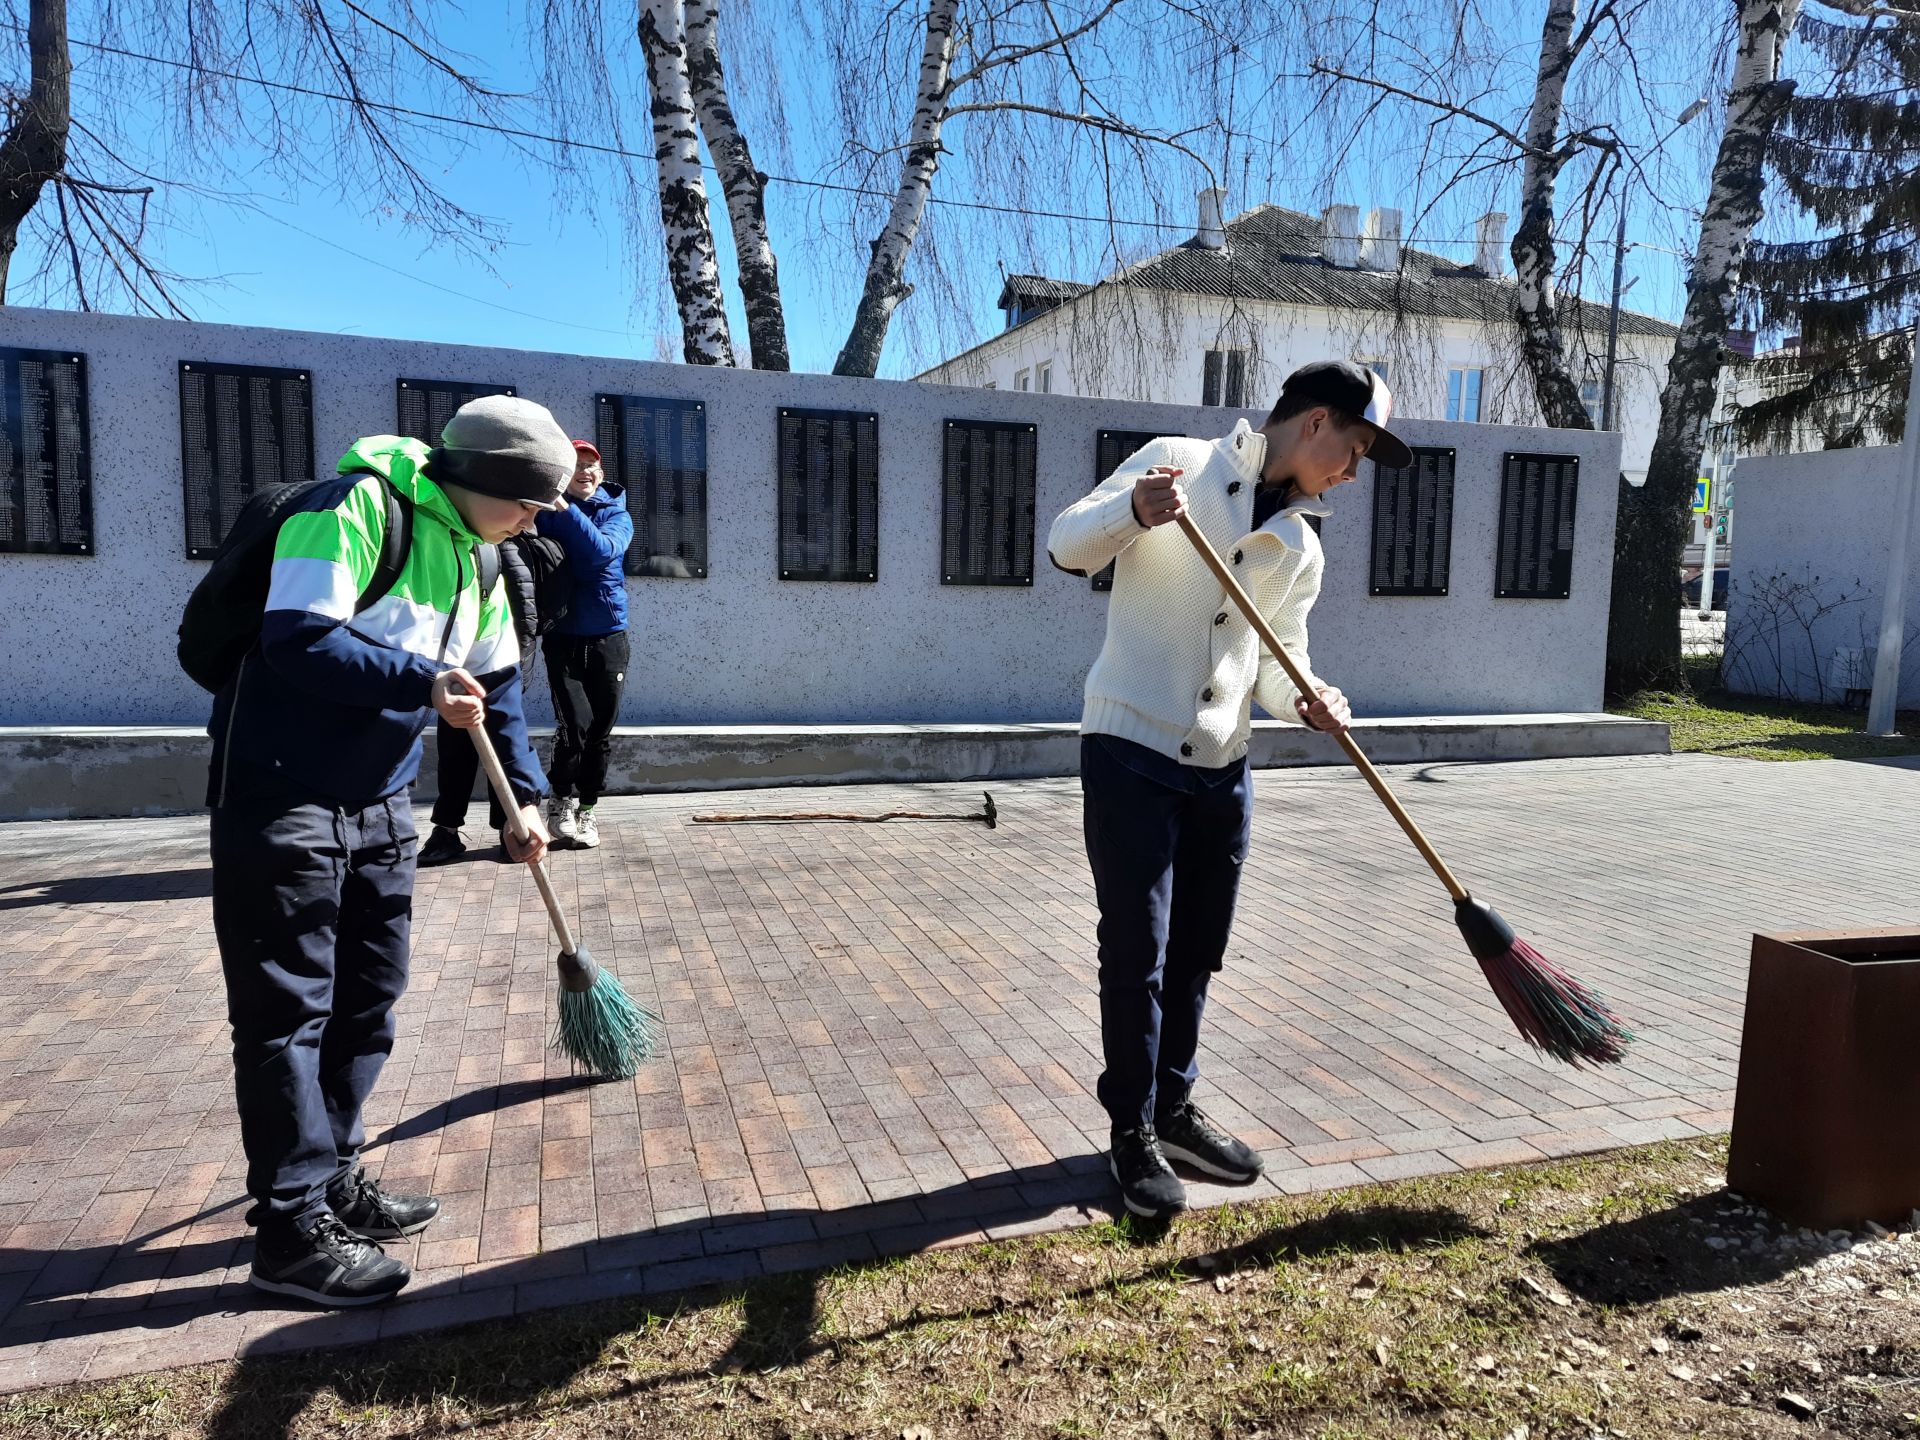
[{"x": 79, "y": 772}]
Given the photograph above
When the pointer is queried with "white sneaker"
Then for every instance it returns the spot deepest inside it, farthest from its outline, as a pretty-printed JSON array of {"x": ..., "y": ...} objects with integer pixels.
[
  {"x": 565, "y": 822},
  {"x": 586, "y": 834}
]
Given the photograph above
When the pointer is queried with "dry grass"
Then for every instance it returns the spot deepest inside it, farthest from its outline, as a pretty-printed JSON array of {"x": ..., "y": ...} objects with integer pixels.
[{"x": 1576, "y": 1299}]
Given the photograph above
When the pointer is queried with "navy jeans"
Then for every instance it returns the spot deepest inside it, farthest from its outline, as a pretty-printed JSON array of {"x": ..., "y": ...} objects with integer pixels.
[
  {"x": 311, "y": 906},
  {"x": 1166, "y": 842}
]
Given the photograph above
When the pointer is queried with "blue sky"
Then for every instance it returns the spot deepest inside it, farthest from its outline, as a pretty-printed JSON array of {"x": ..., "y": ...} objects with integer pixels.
[{"x": 568, "y": 275}]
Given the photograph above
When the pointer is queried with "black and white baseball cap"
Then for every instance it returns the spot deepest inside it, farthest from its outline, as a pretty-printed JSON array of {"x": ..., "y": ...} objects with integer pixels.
[{"x": 1360, "y": 393}]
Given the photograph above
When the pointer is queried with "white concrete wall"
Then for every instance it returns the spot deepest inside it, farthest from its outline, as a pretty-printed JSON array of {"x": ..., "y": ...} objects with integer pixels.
[
  {"x": 1133, "y": 344},
  {"x": 1813, "y": 532},
  {"x": 90, "y": 640}
]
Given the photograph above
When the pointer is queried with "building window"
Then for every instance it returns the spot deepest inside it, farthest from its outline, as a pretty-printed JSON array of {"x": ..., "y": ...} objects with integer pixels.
[
  {"x": 1043, "y": 374},
  {"x": 1223, "y": 379},
  {"x": 1590, "y": 401},
  {"x": 1378, "y": 367},
  {"x": 1023, "y": 380},
  {"x": 1463, "y": 394}
]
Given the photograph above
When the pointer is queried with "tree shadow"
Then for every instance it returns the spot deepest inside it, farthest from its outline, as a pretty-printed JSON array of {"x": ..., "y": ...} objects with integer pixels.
[
  {"x": 780, "y": 1315},
  {"x": 193, "y": 884},
  {"x": 1665, "y": 1254}
]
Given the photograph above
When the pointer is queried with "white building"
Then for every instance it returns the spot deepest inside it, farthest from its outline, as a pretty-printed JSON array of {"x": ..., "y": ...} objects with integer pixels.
[{"x": 1223, "y": 317}]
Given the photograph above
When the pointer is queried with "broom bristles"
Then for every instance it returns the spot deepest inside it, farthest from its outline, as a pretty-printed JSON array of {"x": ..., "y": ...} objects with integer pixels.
[
  {"x": 1554, "y": 1012},
  {"x": 603, "y": 1031}
]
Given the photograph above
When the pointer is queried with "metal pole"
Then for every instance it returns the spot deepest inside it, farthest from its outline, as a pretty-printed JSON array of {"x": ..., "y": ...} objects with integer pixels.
[
  {"x": 1705, "y": 612},
  {"x": 1893, "y": 611},
  {"x": 1613, "y": 319}
]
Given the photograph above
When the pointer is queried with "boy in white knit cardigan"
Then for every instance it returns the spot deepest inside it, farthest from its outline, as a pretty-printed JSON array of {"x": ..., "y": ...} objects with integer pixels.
[{"x": 1163, "y": 750}]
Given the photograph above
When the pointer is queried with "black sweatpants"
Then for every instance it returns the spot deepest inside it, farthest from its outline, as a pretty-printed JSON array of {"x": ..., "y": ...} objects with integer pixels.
[
  {"x": 312, "y": 907},
  {"x": 587, "y": 675},
  {"x": 1166, "y": 843},
  {"x": 459, "y": 768}
]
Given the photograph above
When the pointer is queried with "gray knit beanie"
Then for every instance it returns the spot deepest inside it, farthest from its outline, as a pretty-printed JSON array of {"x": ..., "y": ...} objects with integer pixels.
[{"x": 509, "y": 448}]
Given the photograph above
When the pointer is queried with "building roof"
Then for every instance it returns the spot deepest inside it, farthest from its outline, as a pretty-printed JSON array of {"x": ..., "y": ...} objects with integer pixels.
[{"x": 1274, "y": 254}]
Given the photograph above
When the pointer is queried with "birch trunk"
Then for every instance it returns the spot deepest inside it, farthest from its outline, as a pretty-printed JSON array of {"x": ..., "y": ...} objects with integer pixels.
[
  {"x": 1643, "y": 632},
  {"x": 885, "y": 288},
  {"x": 1532, "y": 249},
  {"x": 35, "y": 148},
  {"x": 745, "y": 188},
  {"x": 692, "y": 265}
]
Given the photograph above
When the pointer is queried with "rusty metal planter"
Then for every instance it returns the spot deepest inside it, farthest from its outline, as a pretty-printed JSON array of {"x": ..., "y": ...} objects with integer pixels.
[{"x": 1826, "y": 1119}]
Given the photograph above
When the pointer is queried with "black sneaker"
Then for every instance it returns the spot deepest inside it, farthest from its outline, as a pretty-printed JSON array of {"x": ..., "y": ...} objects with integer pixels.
[
  {"x": 443, "y": 846},
  {"x": 1147, "y": 1183},
  {"x": 327, "y": 1264},
  {"x": 370, "y": 1212},
  {"x": 1189, "y": 1137}
]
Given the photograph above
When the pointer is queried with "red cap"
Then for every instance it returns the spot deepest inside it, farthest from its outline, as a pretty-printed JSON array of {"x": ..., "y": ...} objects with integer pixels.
[{"x": 587, "y": 447}]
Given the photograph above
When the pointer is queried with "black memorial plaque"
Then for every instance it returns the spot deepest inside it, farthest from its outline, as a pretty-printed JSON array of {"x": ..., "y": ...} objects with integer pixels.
[
  {"x": 1537, "y": 495},
  {"x": 829, "y": 495},
  {"x": 656, "y": 450},
  {"x": 1413, "y": 525},
  {"x": 987, "y": 503},
  {"x": 243, "y": 428},
  {"x": 1111, "y": 450},
  {"x": 46, "y": 470},
  {"x": 423, "y": 407}
]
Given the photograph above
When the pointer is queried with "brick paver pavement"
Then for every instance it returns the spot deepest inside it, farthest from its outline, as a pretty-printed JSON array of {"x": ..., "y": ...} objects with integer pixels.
[{"x": 881, "y": 1037}]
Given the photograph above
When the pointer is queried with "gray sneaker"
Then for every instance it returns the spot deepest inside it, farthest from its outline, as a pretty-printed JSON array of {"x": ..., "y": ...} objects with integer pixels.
[
  {"x": 327, "y": 1264},
  {"x": 565, "y": 823},
  {"x": 586, "y": 832}
]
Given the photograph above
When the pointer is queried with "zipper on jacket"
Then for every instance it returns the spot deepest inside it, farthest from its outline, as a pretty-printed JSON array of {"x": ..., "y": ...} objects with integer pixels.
[
  {"x": 453, "y": 610},
  {"x": 233, "y": 714}
]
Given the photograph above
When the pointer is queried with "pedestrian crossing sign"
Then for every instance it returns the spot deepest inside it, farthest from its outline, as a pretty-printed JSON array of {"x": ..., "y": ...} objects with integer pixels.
[{"x": 1702, "y": 494}]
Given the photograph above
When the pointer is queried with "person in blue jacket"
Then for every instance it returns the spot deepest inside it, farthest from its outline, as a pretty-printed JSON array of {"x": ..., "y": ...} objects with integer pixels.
[{"x": 587, "y": 650}]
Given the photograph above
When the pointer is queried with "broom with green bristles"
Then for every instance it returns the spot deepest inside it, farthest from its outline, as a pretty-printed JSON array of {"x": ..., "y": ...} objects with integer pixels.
[
  {"x": 600, "y": 1028},
  {"x": 1552, "y": 1011}
]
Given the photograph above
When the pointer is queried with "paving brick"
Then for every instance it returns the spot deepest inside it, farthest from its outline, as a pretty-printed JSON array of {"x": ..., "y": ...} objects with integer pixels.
[{"x": 930, "y": 1079}]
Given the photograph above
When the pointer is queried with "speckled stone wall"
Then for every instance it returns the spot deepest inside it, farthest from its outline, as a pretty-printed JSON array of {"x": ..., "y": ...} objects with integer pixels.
[
  {"x": 89, "y": 640},
  {"x": 1812, "y": 530}
]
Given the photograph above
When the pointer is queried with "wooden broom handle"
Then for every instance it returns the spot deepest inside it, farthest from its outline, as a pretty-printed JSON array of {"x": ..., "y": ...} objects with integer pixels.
[
  {"x": 1305, "y": 686},
  {"x": 497, "y": 777}
]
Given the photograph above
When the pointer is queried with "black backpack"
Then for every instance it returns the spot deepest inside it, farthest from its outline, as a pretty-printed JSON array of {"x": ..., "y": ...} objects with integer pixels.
[{"x": 222, "y": 619}]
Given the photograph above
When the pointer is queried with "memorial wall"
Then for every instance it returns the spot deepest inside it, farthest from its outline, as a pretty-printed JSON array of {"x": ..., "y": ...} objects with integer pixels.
[{"x": 807, "y": 548}]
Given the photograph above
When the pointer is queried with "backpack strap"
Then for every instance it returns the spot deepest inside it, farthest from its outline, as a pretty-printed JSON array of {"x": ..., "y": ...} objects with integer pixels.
[
  {"x": 396, "y": 541},
  {"x": 488, "y": 559}
]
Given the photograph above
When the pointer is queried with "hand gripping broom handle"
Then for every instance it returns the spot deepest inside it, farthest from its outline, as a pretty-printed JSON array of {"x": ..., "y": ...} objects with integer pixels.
[
  {"x": 1305, "y": 686},
  {"x": 497, "y": 777}
]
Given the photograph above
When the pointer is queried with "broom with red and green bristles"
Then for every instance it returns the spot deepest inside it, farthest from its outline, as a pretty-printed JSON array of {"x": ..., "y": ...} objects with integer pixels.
[{"x": 1553, "y": 1012}]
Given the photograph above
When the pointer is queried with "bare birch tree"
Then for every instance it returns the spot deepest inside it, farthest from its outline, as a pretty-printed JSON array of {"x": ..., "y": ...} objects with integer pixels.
[
  {"x": 693, "y": 264},
  {"x": 992, "y": 63},
  {"x": 34, "y": 150},
  {"x": 1643, "y": 638},
  {"x": 745, "y": 187},
  {"x": 251, "y": 91}
]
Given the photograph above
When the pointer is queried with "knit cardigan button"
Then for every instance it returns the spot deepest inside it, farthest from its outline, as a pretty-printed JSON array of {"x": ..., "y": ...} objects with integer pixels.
[
  {"x": 1221, "y": 618},
  {"x": 1236, "y": 556},
  {"x": 1206, "y": 694},
  {"x": 1186, "y": 749},
  {"x": 1234, "y": 488}
]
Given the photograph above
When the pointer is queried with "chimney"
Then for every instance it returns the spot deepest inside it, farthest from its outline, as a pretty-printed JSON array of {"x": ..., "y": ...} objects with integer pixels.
[
  {"x": 1380, "y": 246},
  {"x": 1490, "y": 243},
  {"x": 1340, "y": 235},
  {"x": 1212, "y": 234}
]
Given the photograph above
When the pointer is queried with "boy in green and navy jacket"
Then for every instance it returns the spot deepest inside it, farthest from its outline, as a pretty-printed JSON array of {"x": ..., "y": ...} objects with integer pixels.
[{"x": 316, "y": 740}]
